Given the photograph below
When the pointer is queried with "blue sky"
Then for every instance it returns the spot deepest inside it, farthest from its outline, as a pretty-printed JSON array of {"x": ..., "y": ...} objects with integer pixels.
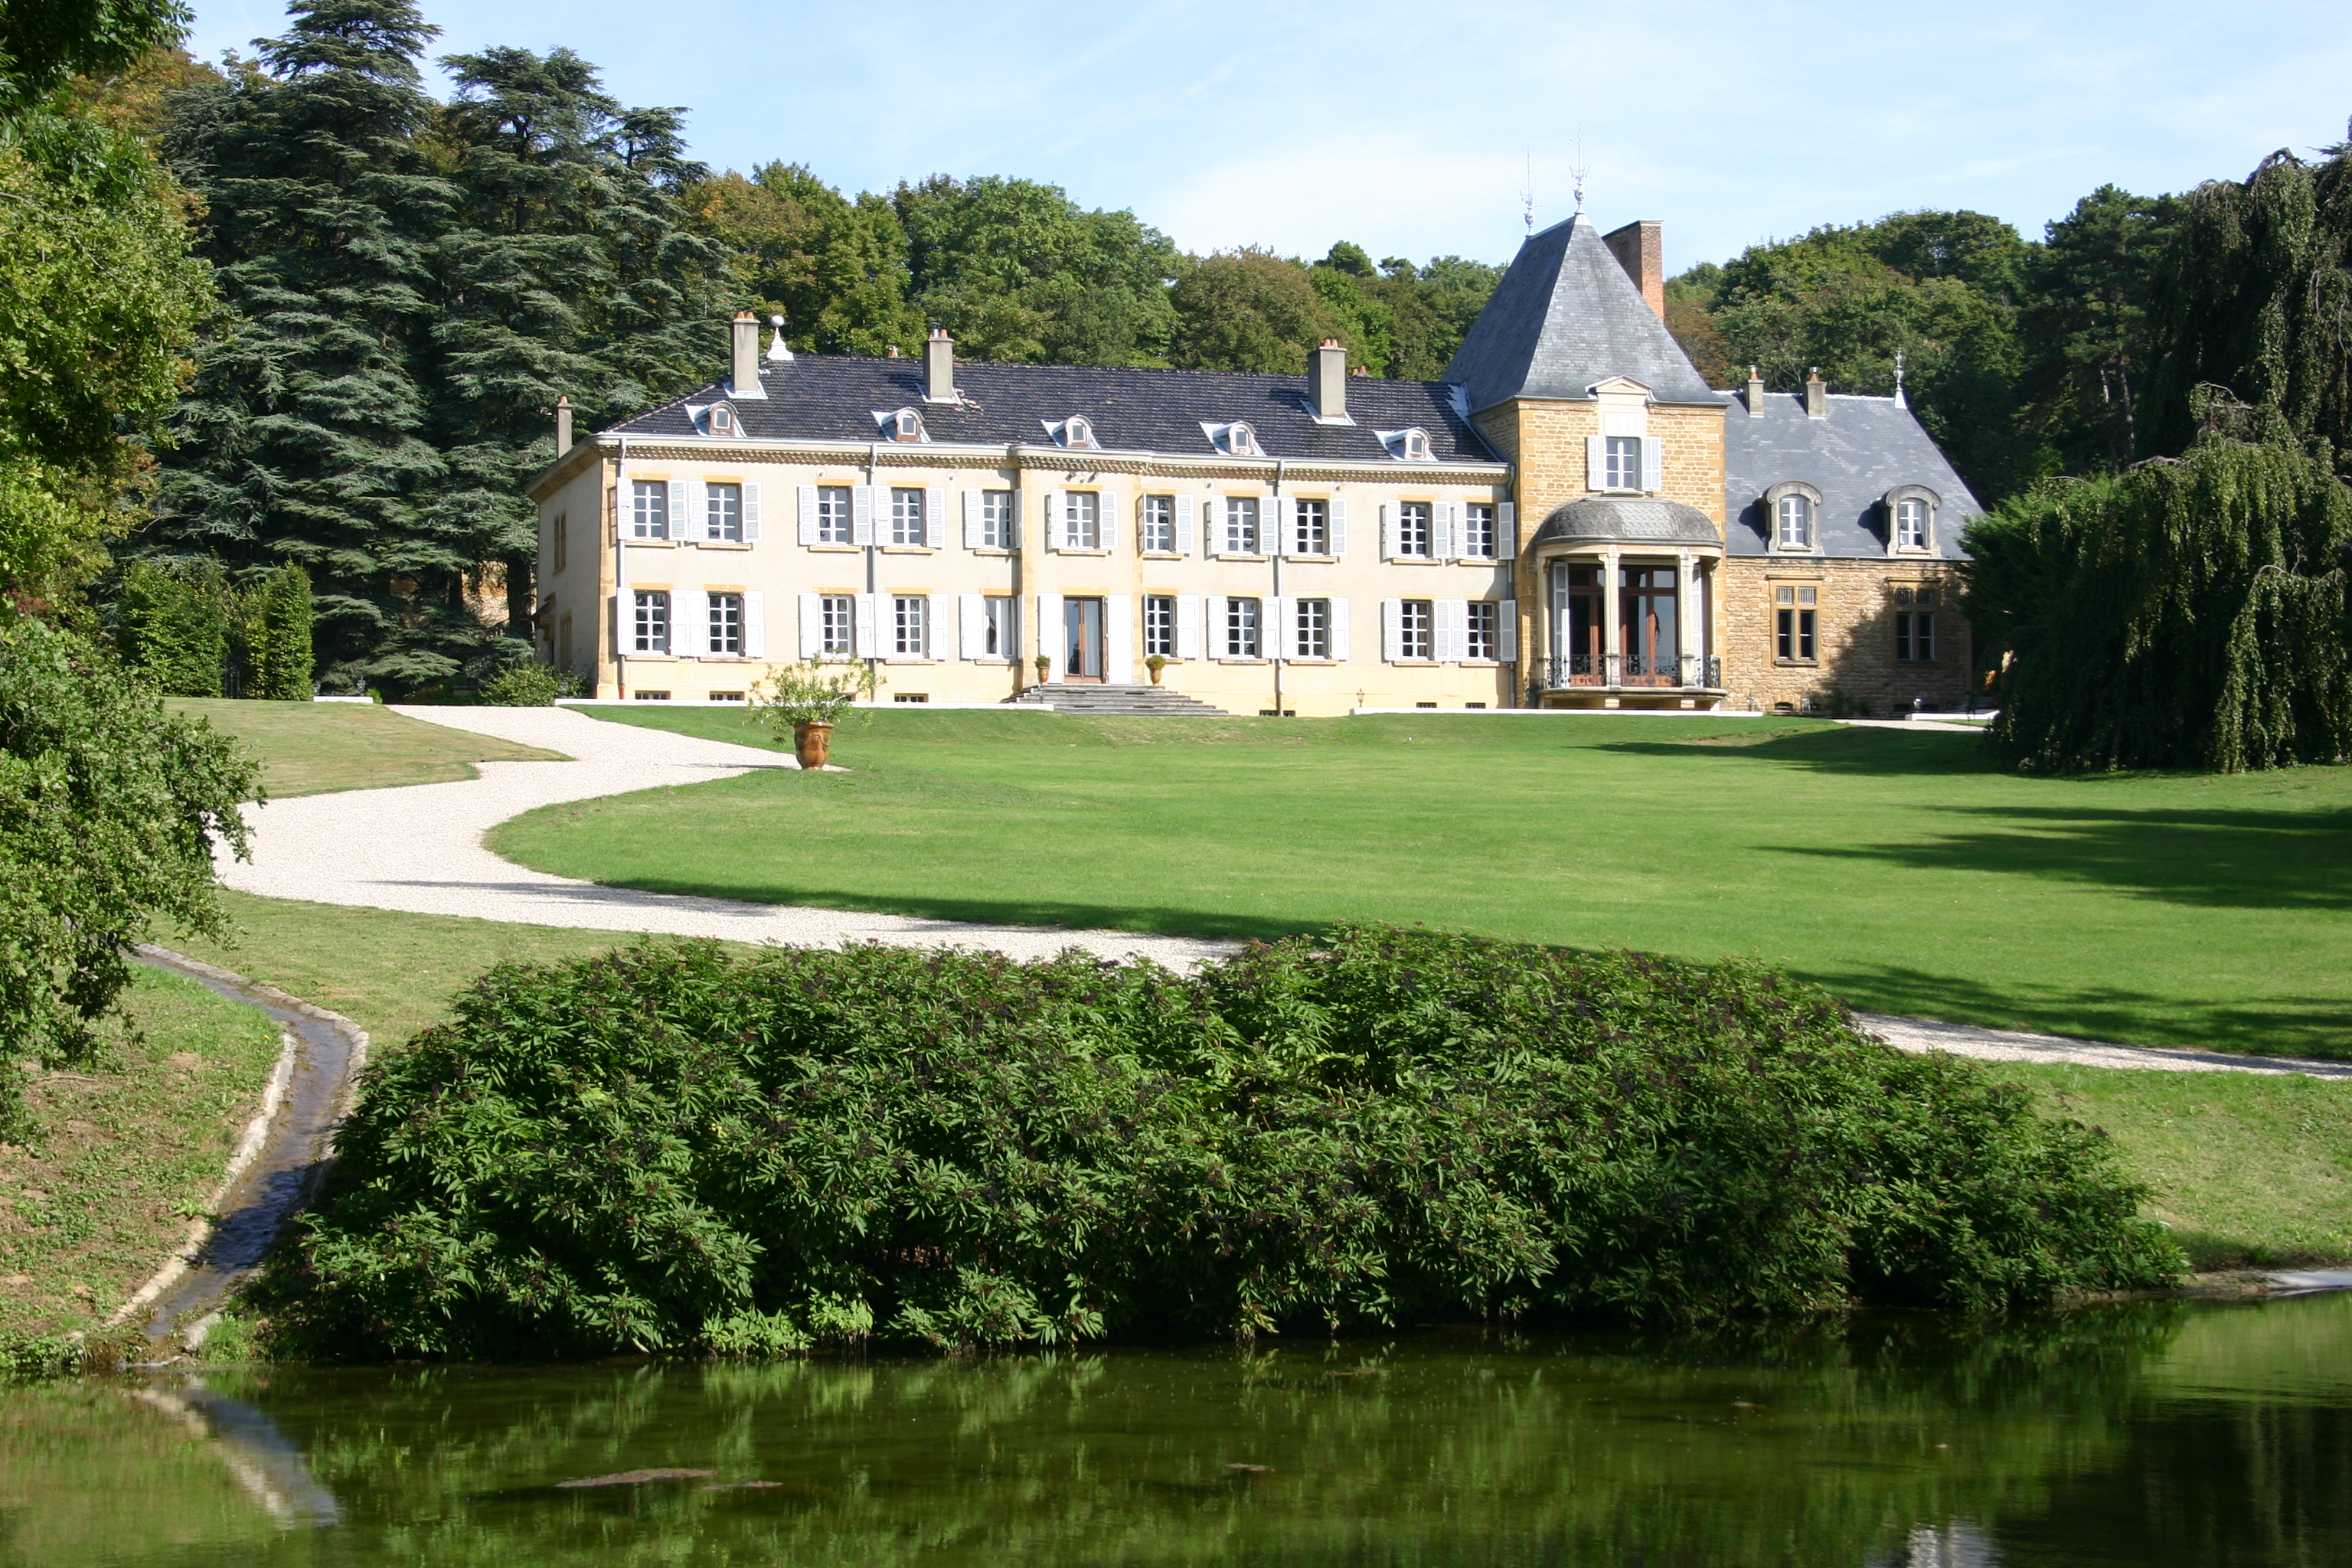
[{"x": 1410, "y": 129}]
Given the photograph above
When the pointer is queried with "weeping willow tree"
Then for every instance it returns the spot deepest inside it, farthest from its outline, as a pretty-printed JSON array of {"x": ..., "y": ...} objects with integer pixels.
[{"x": 2190, "y": 612}]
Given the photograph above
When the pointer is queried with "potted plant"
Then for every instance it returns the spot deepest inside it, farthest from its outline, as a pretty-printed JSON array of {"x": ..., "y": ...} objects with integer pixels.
[
  {"x": 1155, "y": 663},
  {"x": 809, "y": 699},
  {"x": 1045, "y": 662}
]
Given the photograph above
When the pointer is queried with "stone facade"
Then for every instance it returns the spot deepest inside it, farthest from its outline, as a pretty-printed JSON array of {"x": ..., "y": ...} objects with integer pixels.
[{"x": 1855, "y": 670}]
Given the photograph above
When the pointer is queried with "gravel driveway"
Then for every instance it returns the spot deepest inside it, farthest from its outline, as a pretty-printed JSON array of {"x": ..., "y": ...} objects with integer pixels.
[{"x": 419, "y": 849}]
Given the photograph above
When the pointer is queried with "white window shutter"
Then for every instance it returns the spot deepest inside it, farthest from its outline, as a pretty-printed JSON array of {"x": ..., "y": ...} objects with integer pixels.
[
  {"x": 807, "y": 500},
  {"x": 1212, "y": 520},
  {"x": 1339, "y": 526},
  {"x": 935, "y": 517},
  {"x": 755, "y": 624},
  {"x": 1281, "y": 511},
  {"x": 812, "y": 626},
  {"x": 861, "y": 514},
  {"x": 1452, "y": 629},
  {"x": 1506, "y": 630},
  {"x": 1596, "y": 462},
  {"x": 1388, "y": 541},
  {"x": 1107, "y": 507},
  {"x": 1188, "y": 626},
  {"x": 974, "y": 520},
  {"x": 1442, "y": 529},
  {"x": 972, "y": 625},
  {"x": 751, "y": 514},
  {"x": 1506, "y": 530},
  {"x": 1654, "y": 464},
  {"x": 869, "y": 640},
  {"x": 678, "y": 515},
  {"x": 1392, "y": 629},
  {"x": 1339, "y": 628},
  {"x": 1049, "y": 632},
  {"x": 1187, "y": 538},
  {"x": 1118, "y": 639},
  {"x": 1213, "y": 617},
  {"x": 1277, "y": 637},
  {"x": 1050, "y": 508},
  {"x": 690, "y": 621}
]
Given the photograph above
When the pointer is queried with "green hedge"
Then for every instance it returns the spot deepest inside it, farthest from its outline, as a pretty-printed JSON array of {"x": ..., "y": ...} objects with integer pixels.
[{"x": 667, "y": 1148}]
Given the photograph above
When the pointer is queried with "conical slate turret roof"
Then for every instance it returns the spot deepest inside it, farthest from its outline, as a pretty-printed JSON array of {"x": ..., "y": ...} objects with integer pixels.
[{"x": 1565, "y": 317}]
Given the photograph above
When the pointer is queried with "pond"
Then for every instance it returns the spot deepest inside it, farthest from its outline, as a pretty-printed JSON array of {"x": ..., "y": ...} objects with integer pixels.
[{"x": 2147, "y": 1434}]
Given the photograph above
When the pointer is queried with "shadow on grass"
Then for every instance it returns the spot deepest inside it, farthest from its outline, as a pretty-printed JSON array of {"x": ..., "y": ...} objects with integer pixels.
[
  {"x": 2286, "y": 860},
  {"x": 1884, "y": 752},
  {"x": 2272, "y": 1025}
]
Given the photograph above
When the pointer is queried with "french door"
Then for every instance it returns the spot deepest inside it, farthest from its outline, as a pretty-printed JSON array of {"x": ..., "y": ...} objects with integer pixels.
[{"x": 1082, "y": 639}]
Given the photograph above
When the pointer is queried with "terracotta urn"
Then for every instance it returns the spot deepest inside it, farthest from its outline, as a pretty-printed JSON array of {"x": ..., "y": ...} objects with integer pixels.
[{"x": 810, "y": 743}]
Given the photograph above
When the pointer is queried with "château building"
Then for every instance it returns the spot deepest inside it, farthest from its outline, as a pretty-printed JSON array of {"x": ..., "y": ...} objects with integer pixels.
[{"x": 1571, "y": 518}]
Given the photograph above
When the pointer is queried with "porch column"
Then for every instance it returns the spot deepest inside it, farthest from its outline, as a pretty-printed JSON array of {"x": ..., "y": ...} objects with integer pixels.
[
  {"x": 1685, "y": 604},
  {"x": 1612, "y": 638}
]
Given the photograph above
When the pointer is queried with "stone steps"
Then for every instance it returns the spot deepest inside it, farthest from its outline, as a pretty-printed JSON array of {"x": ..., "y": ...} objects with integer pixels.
[{"x": 1142, "y": 699}]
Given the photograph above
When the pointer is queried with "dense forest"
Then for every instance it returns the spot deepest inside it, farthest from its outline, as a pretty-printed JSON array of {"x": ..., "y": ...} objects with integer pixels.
[{"x": 381, "y": 293}]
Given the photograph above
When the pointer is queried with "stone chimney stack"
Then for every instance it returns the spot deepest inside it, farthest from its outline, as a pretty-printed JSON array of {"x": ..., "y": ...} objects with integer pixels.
[
  {"x": 1643, "y": 254},
  {"x": 562, "y": 425},
  {"x": 1817, "y": 396},
  {"x": 939, "y": 367},
  {"x": 1755, "y": 393},
  {"x": 745, "y": 382},
  {"x": 1326, "y": 380}
]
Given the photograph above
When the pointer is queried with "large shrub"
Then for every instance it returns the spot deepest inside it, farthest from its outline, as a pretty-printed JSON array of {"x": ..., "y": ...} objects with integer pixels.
[{"x": 669, "y": 1148}]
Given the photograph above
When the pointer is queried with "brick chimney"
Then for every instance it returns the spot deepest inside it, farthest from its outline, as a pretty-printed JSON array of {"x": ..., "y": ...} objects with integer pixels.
[
  {"x": 1643, "y": 254},
  {"x": 1755, "y": 393},
  {"x": 1326, "y": 380},
  {"x": 939, "y": 367},
  {"x": 1817, "y": 396},
  {"x": 562, "y": 425},
  {"x": 745, "y": 382}
]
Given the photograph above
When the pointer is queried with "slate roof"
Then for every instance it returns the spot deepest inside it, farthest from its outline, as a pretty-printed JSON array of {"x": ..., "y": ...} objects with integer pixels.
[
  {"x": 832, "y": 397},
  {"x": 1564, "y": 316},
  {"x": 1626, "y": 519},
  {"x": 1863, "y": 447}
]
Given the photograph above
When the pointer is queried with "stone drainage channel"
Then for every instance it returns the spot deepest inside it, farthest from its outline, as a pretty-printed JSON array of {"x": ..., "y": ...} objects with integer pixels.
[{"x": 286, "y": 1152}]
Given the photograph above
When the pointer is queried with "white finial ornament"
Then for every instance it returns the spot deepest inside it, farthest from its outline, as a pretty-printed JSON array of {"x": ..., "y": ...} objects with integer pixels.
[
  {"x": 1900, "y": 402},
  {"x": 777, "y": 352}
]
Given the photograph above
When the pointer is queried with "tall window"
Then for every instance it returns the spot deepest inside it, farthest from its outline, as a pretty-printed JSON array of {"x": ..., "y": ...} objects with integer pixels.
[
  {"x": 1081, "y": 520},
  {"x": 996, "y": 519},
  {"x": 649, "y": 508},
  {"x": 837, "y": 625},
  {"x": 1002, "y": 631},
  {"x": 727, "y": 622},
  {"x": 561, "y": 538},
  {"x": 1911, "y": 524},
  {"x": 1240, "y": 629},
  {"x": 1415, "y": 622},
  {"x": 1413, "y": 529},
  {"x": 1241, "y": 527},
  {"x": 1312, "y": 628},
  {"x": 1483, "y": 630},
  {"x": 1310, "y": 531},
  {"x": 906, "y": 517},
  {"x": 910, "y": 635},
  {"x": 1159, "y": 525},
  {"x": 1914, "y": 625},
  {"x": 1159, "y": 624},
  {"x": 833, "y": 522},
  {"x": 1623, "y": 470},
  {"x": 1794, "y": 613},
  {"x": 1796, "y": 522},
  {"x": 723, "y": 512},
  {"x": 1478, "y": 532},
  {"x": 652, "y": 622}
]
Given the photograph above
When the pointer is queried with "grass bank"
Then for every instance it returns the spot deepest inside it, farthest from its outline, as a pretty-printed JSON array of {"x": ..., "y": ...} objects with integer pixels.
[
  {"x": 1897, "y": 869},
  {"x": 316, "y": 748},
  {"x": 117, "y": 1157}
]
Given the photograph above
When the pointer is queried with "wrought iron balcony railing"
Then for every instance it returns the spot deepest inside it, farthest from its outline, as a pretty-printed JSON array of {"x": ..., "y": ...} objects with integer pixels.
[{"x": 1687, "y": 672}]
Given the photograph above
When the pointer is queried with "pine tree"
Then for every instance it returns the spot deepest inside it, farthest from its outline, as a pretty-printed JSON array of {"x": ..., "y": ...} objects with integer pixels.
[{"x": 303, "y": 437}]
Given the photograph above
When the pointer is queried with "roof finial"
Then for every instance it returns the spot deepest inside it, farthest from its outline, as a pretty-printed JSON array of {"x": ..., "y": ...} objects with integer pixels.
[
  {"x": 1528, "y": 192},
  {"x": 1900, "y": 401},
  {"x": 1581, "y": 170},
  {"x": 778, "y": 352}
]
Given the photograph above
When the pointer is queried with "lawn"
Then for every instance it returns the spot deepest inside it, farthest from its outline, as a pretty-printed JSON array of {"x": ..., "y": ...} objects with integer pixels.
[
  {"x": 117, "y": 1156},
  {"x": 315, "y": 748},
  {"x": 1897, "y": 869}
]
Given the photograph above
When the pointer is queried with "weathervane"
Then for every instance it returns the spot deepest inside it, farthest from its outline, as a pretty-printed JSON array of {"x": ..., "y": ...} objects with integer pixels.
[
  {"x": 1528, "y": 192},
  {"x": 1900, "y": 401},
  {"x": 1581, "y": 169}
]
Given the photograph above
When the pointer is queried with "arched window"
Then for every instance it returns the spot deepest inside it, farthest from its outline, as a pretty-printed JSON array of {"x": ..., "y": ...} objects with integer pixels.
[
  {"x": 1911, "y": 524},
  {"x": 1793, "y": 528},
  {"x": 722, "y": 421},
  {"x": 1077, "y": 431},
  {"x": 907, "y": 425},
  {"x": 1241, "y": 441},
  {"x": 1416, "y": 445}
]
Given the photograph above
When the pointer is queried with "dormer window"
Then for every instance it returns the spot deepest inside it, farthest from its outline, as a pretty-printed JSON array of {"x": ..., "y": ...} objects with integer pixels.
[
  {"x": 901, "y": 425},
  {"x": 722, "y": 421},
  {"x": 1911, "y": 520},
  {"x": 716, "y": 419},
  {"x": 1408, "y": 446},
  {"x": 1241, "y": 441},
  {"x": 1077, "y": 431},
  {"x": 1792, "y": 515}
]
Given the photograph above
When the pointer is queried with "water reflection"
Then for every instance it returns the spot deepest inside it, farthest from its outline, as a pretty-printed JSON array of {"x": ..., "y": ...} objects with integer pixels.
[{"x": 2157, "y": 1434}]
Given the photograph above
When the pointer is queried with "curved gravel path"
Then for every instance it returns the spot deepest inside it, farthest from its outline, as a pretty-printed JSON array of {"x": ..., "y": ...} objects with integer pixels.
[{"x": 419, "y": 849}]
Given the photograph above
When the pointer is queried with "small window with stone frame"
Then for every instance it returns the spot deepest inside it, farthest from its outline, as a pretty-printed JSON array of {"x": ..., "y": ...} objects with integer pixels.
[
  {"x": 1241, "y": 628},
  {"x": 722, "y": 520},
  {"x": 1311, "y": 628},
  {"x": 652, "y": 622},
  {"x": 727, "y": 623},
  {"x": 906, "y": 515},
  {"x": 837, "y": 625},
  {"x": 835, "y": 524},
  {"x": 1241, "y": 525},
  {"x": 1160, "y": 625},
  {"x": 1414, "y": 537},
  {"x": 1796, "y": 623},
  {"x": 1478, "y": 541},
  {"x": 1622, "y": 462},
  {"x": 1416, "y": 623},
  {"x": 649, "y": 510},
  {"x": 1156, "y": 523},
  {"x": 1310, "y": 526},
  {"x": 909, "y": 614},
  {"x": 1481, "y": 631}
]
